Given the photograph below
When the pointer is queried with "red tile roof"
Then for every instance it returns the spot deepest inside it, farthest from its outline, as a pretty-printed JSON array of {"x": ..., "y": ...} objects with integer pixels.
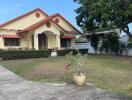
[
  {"x": 17, "y": 18},
  {"x": 11, "y": 36},
  {"x": 42, "y": 22},
  {"x": 36, "y": 25},
  {"x": 67, "y": 37}
]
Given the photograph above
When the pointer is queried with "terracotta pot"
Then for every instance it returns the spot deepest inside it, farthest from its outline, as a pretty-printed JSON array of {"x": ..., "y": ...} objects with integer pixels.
[{"x": 79, "y": 79}]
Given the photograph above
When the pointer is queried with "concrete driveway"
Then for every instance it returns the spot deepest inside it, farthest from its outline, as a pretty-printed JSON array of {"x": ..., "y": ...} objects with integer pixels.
[{"x": 13, "y": 87}]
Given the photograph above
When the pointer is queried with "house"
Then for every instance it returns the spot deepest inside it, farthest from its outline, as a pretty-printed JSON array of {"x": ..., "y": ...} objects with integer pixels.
[
  {"x": 85, "y": 40},
  {"x": 38, "y": 31}
]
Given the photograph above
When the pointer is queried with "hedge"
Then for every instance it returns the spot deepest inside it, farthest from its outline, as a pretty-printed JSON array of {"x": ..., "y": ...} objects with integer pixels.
[
  {"x": 129, "y": 45},
  {"x": 7, "y": 55},
  {"x": 67, "y": 51}
]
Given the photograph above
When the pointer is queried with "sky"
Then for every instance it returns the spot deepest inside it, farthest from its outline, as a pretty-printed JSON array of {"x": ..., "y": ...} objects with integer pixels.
[{"x": 10, "y": 9}]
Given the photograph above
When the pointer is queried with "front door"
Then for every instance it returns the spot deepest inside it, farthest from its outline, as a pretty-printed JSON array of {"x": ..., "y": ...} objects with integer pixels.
[{"x": 43, "y": 41}]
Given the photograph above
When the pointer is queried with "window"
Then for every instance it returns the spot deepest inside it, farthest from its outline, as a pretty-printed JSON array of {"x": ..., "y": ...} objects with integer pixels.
[
  {"x": 11, "y": 42},
  {"x": 65, "y": 42}
]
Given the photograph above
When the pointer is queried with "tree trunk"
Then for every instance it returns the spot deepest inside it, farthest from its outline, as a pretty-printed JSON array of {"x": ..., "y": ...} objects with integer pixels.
[{"x": 126, "y": 30}]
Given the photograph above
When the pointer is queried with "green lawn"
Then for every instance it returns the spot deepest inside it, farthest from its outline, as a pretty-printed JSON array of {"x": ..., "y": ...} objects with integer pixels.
[{"x": 113, "y": 73}]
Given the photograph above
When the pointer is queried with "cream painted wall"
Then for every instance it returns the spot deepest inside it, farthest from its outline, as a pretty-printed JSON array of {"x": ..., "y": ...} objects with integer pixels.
[
  {"x": 51, "y": 39},
  {"x": 1, "y": 43},
  {"x": 64, "y": 24},
  {"x": 26, "y": 42},
  {"x": 2, "y": 40},
  {"x": 7, "y": 32},
  {"x": 29, "y": 41},
  {"x": 25, "y": 22},
  {"x": 67, "y": 27},
  {"x": 23, "y": 43}
]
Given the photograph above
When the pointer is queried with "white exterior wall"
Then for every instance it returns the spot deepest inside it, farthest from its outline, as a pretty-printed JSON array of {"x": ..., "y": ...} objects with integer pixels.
[
  {"x": 129, "y": 52},
  {"x": 85, "y": 46}
]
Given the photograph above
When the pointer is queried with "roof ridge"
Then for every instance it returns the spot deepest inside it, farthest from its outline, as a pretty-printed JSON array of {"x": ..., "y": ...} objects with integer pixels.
[
  {"x": 57, "y": 14},
  {"x": 19, "y": 17}
]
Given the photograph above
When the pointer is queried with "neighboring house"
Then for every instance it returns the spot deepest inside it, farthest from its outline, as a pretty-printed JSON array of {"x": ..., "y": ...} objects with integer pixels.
[
  {"x": 87, "y": 43},
  {"x": 127, "y": 41},
  {"x": 37, "y": 30}
]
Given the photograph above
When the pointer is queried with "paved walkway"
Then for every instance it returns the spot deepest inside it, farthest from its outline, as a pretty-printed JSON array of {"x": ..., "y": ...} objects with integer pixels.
[{"x": 13, "y": 87}]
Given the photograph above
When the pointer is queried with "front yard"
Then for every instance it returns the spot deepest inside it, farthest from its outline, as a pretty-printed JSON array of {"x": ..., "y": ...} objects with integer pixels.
[{"x": 109, "y": 72}]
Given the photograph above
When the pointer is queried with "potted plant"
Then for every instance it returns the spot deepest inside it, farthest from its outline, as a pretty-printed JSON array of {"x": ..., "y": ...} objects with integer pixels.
[{"x": 77, "y": 61}]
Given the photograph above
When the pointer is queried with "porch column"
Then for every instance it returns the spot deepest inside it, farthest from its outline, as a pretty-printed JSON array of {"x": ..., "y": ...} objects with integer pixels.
[
  {"x": 58, "y": 44},
  {"x": 73, "y": 43},
  {"x": 1, "y": 42},
  {"x": 36, "y": 42}
]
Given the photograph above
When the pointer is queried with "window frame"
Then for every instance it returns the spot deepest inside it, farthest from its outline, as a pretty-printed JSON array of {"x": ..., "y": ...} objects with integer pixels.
[{"x": 13, "y": 42}]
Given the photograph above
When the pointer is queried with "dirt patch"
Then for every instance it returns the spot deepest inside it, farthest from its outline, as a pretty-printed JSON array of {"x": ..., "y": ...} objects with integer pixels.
[
  {"x": 47, "y": 69},
  {"x": 126, "y": 61}
]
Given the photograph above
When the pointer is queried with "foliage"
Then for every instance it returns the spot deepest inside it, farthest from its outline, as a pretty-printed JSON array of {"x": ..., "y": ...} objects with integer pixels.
[
  {"x": 81, "y": 40},
  {"x": 130, "y": 39},
  {"x": 66, "y": 51},
  {"x": 74, "y": 52},
  {"x": 129, "y": 45},
  {"x": 94, "y": 41},
  {"x": 111, "y": 43},
  {"x": 101, "y": 49},
  {"x": 76, "y": 60},
  {"x": 122, "y": 47},
  {"x": 7, "y": 55},
  {"x": 104, "y": 14},
  {"x": 129, "y": 86}
]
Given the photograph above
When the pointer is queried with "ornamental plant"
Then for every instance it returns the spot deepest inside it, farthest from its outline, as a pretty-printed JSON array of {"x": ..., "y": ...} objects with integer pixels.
[
  {"x": 78, "y": 61},
  {"x": 129, "y": 86}
]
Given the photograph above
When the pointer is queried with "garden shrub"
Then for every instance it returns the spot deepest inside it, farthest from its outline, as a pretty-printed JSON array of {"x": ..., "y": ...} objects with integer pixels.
[
  {"x": 129, "y": 45},
  {"x": 111, "y": 43},
  {"x": 7, "y": 55},
  {"x": 83, "y": 51},
  {"x": 67, "y": 51}
]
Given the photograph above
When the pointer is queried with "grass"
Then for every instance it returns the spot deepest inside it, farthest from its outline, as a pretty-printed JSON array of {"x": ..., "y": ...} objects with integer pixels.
[{"x": 113, "y": 73}]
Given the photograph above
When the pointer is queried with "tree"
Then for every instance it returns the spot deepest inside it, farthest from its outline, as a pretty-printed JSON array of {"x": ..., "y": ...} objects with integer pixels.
[
  {"x": 104, "y": 14},
  {"x": 111, "y": 43},
  {"x": 94, "y": 41}
]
